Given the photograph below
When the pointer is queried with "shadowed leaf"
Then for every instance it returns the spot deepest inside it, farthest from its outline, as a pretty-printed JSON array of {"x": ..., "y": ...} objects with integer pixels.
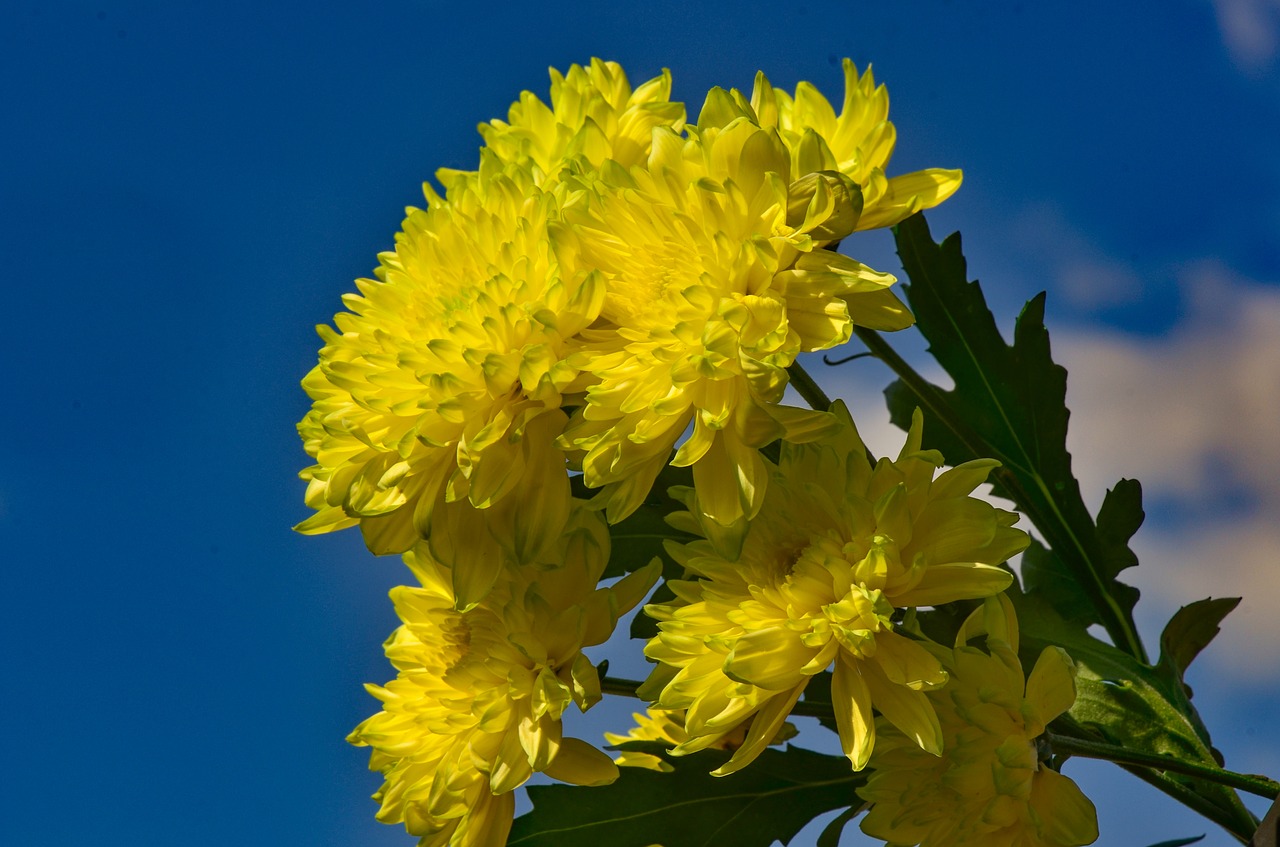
[
  {"x": 1179, "y": 842},
  {"x": 1009, "y": 403},
  {"x": 770, "y": 800},
  {"x": 1191, "y": 629}
]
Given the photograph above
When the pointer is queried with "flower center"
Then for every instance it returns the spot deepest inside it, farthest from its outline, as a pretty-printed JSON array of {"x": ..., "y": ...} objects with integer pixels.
[{"x": 858, "y": 616}]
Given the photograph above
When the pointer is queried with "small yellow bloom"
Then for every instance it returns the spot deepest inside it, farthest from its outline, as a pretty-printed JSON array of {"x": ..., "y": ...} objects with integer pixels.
[
  {"x": 716, "y": 278},
  {"x": 477, "y": 705},
  {"x": 857, "y": 143},
  {"x": 836, "y": 549},
  {"x": 594, "y": 115},
  {"x": 439, "y": 392},
  {"x": 990, "y": 787},
  {"x": 668, "y": 727}
]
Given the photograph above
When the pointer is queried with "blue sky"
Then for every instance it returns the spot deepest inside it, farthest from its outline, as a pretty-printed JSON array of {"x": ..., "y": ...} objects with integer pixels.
[{"x": 188, "y": 189}]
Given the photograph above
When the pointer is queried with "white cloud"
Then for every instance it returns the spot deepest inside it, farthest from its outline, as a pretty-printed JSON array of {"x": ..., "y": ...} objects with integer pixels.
[
  {"x": 1084, "y": 274},
  {"x": 1250, "y": 30},
  {"x": 1195, "y": 416}
]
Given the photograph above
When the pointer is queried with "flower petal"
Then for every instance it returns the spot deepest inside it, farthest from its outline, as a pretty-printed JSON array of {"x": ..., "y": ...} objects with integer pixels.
[
  {"x": 851, "y": 701},
  {"x": 579, "y": 763},
  {"x": 910, "y": 711}
]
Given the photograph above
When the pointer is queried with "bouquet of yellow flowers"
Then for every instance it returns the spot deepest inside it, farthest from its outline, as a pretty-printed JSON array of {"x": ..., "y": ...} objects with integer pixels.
[{"x": 568, "y": 385}]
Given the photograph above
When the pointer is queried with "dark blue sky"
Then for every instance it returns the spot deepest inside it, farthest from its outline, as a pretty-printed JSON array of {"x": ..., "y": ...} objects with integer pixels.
[{"x": 187, "y": 189}]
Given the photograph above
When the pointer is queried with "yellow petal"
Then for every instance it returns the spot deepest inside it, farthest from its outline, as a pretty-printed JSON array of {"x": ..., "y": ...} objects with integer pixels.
[
  {"x": 905, "y": 662},
  {"x": 768, "y": 658},
  {"x": 578, "y": 763},
  {"x": 1051, "y": 688},
  {"x": 1066, "y": 816},
  {"x": 910, "y": 711},
  {"x": 908, "y": 194},
  {"x": 764, "y": 727},
  {"x": 948, "y": 583},
  {"x": 851, "y": 701}
]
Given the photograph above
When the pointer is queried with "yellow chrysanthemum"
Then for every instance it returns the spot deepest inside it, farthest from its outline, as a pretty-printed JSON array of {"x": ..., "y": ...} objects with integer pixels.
[
  {"x": 716, "y": 280},
  {"x": 990, "y": 787},
  {"x": 594, "y": 115},
  {"x": 477, "y": 705},
  {"x": 837, "y": 548},
  {"x": 857, "y": 143},
  {"x": 440, "y": 390},
  {"x": 668, "y": 727}
]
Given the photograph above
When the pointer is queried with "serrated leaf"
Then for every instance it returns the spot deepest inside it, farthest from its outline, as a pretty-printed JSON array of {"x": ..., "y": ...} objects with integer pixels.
[
  {"x": 1119, "y": 518},
  {"x": 770, "y": 800},
  {"x": 1044, "y": 575},
  {"x": 1179, "y": 842},
  {"x": 1190, "y": 630},
  {"x": 1009, "y": 403}
]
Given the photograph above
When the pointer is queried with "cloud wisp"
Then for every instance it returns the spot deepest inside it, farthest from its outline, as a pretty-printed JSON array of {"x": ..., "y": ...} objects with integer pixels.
[
  {"x": 1193, "y": 415},
  {"x": 1251, "y": 32}
]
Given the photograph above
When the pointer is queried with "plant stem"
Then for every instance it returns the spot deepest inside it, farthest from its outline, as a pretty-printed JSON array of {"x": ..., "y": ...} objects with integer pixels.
[
  {"x": 1259, "y": 785},
  {"x": 620, "y": 686},
  {"x": 807, "y": 388}
]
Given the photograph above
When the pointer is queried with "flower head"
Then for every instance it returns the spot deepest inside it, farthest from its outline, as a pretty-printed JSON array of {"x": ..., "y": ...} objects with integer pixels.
[
  {"x": 716, "y": 278},
  {"x": 838, "y": 547},
  {"x": 990, "y": 786},
  {"x": 440, "y": 389},
  {"x": 668, "y": 727},
  {"x": 477, "y": 705},
  {"x": 594, "y": 115},
  {"x": 858, "y": 143}
]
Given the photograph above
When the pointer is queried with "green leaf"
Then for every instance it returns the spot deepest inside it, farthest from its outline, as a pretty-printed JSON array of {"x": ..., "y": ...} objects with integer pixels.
[
  {"x": 1179, "y": 842},
  {"x": 770, "y": 800},
  {"x": 1009, "y": 403},
  {"x": 1119, "y": 518},
  {"x": 1044, "y": 575},
  {"x": 1190, "y": 630}
]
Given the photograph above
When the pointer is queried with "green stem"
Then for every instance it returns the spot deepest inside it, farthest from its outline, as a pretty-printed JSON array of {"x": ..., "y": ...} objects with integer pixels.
[
  {"x": 807, "y": 388},
  {"x": 619, "y": 686},
  {"x": 1259, "y": 785}
]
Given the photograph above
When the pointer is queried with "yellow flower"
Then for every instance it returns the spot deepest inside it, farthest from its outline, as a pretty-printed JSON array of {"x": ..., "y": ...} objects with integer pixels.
[
  {"x": 836, "y": 549},
  {"x": 476, "y": 707},
  {"x": 668, "y": 727},
  {"x": 858, "y": 143},
  {"x": 990, "y": 787},
  {"x": 715, "y": 280},
  {"x": 439, "y": 391},
  {"x": 594, "y": 115}
]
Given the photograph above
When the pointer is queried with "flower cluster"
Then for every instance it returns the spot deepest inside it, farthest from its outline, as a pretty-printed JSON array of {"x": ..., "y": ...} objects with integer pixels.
[
  {"x": 476, "y": 708},
  {"x": 838, "y": 548},
  {"x": 989, "y": 786},
  {"x": 611, "y": 291}
]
